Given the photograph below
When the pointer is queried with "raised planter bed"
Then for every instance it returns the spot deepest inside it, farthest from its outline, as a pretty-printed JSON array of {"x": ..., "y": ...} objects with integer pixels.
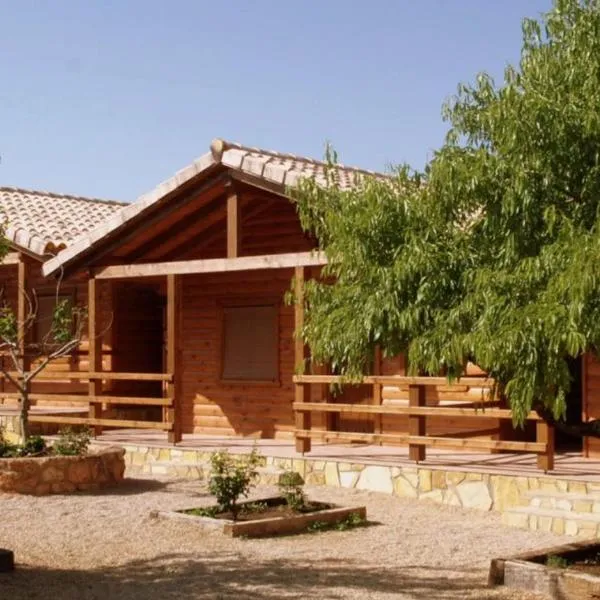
[
  {"x": 568, "y": 572},
  {"x": 269, "y": 516},
  {"x": 62, "y": 474}
]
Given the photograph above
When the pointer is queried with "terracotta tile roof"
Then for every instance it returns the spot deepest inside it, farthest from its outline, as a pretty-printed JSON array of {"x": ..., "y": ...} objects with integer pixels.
[
  {"x": 281, "y": 168},
  {"x": 44, "y": 222},
  {"x": 274, "y": 168}
]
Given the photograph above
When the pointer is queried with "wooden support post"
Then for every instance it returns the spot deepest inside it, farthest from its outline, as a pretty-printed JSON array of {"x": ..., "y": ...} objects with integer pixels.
[
  {"x": 302, "y": 390},
  {"x": 416, "y": 424},
  {"x": 173, "y": 389},
  {"x": 94, "y": 350},
  {"x": 545, "y": 435},
  {"x": 377, "y": 390},
  {"x": 234, "y": 223}
]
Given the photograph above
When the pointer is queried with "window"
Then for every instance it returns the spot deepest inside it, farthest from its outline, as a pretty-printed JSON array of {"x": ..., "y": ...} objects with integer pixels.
[
  {"x": 250, "y": 343},
  {"x": 45, "y": 316}
]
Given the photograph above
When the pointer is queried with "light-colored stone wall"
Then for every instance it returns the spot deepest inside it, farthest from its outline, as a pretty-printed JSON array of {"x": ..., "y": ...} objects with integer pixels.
[
  {"x": 482, "y": 491},
  {"x": 62, "y": 474},
  {"x": 523, "y": 501}
]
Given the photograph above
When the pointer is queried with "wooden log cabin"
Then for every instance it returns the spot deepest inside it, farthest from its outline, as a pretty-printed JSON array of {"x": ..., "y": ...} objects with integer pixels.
[{"x": 188, "y": 328}]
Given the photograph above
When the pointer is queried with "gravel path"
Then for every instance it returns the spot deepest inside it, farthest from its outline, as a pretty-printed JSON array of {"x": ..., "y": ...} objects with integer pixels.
[{"x": 105, "y": 546}]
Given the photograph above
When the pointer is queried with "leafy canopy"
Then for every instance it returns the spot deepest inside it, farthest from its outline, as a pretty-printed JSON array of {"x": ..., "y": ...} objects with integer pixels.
[{"x": 492, "y": 253}]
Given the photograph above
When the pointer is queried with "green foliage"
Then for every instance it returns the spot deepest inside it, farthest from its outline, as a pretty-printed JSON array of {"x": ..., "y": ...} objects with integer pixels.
[
  {"x": 232, "y": 478},
  {"x": 492, "y": 253},
  {"x": 557, "y": 562},
  {"x": 208, "y": 511},
  {"x": 352, "y": 521},
  {"x": 72, "y": 442},
  {"x": 34, "y": 446},
  {"x": 8, "y": 325},
  {"x": 290, "y": 485}
]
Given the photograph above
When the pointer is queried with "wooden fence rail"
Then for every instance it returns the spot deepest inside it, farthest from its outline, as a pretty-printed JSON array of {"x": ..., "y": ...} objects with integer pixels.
[
  {"x": 416, "y": 437},
  {"x": 98, "y": 400}
]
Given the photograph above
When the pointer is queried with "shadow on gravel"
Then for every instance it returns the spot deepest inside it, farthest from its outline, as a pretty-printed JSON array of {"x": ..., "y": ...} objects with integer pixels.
[{"x": 226, "y": 575}]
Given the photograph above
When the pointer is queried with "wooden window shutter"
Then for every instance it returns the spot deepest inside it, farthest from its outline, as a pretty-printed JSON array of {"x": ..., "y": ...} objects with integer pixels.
[{"x": 250, "y": 343}]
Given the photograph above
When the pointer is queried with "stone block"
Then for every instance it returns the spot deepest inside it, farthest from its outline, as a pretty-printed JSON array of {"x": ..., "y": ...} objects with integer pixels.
[
  {"x": 190, "y": 456},
  {"x": 582, "y": 506},
  {"x": 505, "y": 492},
  {"x": 425, "y": 481},
  {"x": 299, "y": 465},
  {"x": 545, "y": 523},
  {"x": 331, "y": 474},
  {"x": 451, "y": 498},
  {"x": 513, "y": 519},
  {"x": 436, "y": 496},
  {"x": 438, "y": 480},
  {"x": 315, "y": 478},
  {"x": 348, "y": 479},
  {"x": 571, "y": 527},
  {"x": 376, "y": 479},
  {"x": 474, "y": 494},
  {"x": 411, "y": 476},
  {"x": 563, "y": 504},
  {"x": 403, "y": 488},
  {"x": 577, "y": 487},
  {"x": 79, "y": 472},
  {"x": 558, "y": 526},
  {"x": 52, "y": 474},
  {"x": 453, "y": 478}
]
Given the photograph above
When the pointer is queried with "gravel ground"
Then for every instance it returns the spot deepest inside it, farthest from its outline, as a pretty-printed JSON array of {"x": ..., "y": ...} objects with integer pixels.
[{"x": 105, "y": 546}]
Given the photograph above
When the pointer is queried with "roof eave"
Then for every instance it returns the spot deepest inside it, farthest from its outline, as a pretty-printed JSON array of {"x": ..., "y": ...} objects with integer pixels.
[{"x": 86, "y": 243}]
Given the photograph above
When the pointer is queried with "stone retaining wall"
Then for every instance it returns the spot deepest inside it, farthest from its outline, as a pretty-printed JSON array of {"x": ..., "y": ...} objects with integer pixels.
[
  {"x": 483, "y": 491},
  {"x": 62, "y": 474}
]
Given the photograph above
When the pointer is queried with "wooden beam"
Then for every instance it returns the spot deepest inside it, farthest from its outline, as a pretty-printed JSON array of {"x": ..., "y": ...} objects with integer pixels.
[
  {"x": 213, "y": 265},
  {"x": 94, "y": 352},
  {"x": 234, "y": 225},
  {"x": 398, "y": 380},
  {"x": 100, "y": 422},
  {"x": 416, "y": 423},
  {"x": 11, "y": 258},
  {"x": 301, "y": 390},
  {"x": 173, "y": 389},
  {"x": 194, "y": 223},
  {"x": 434, "y": 442},
  {"x": 104, "y": 375},
  {"x": 377, "y": 390},
  {"x": 545, "y": 436},
  {"x": 103, "y": 399},
  {"x": 153, "y": 214},
  {"x": 431, "y": 411}
]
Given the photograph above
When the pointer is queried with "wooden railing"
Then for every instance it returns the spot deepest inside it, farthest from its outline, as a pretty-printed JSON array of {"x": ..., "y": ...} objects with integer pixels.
[
  {"x": 416, "y": 436},
  {"x": 99, "y": 400}
]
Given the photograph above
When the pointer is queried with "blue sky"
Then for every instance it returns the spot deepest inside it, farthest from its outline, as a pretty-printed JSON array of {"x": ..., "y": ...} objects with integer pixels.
[{"x": 108, "y": 98}]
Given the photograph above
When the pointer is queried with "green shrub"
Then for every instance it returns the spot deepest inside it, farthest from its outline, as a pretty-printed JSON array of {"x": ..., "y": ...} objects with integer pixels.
[
  {"x": 72, "y": 442},
  {"x": 232, "y": 478},
  {"x": 290, "y": 485},
  {"x": 34, "y": 446},
  {"x": 557, "y": 562}
]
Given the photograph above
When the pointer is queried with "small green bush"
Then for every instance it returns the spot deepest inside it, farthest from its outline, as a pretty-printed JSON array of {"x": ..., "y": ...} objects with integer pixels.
[
  {"x": 34, "y": 446},
  {"x": 557, "y": 562},
  {"x": 290, "y": 486},
  {"x": 72, "y": 442},
  {"x": 232, "y": 478}
]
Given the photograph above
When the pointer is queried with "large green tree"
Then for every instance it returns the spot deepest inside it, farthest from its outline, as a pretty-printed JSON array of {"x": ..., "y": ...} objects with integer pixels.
[{"x": 492, "y": 253}]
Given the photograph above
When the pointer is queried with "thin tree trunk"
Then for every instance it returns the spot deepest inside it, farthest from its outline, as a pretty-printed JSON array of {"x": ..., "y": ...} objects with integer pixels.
[{"x": 24, "y": 415}]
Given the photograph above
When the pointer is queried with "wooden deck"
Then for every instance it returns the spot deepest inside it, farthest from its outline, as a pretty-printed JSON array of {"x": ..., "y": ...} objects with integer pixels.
[{"x": 570, "y": 465}]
